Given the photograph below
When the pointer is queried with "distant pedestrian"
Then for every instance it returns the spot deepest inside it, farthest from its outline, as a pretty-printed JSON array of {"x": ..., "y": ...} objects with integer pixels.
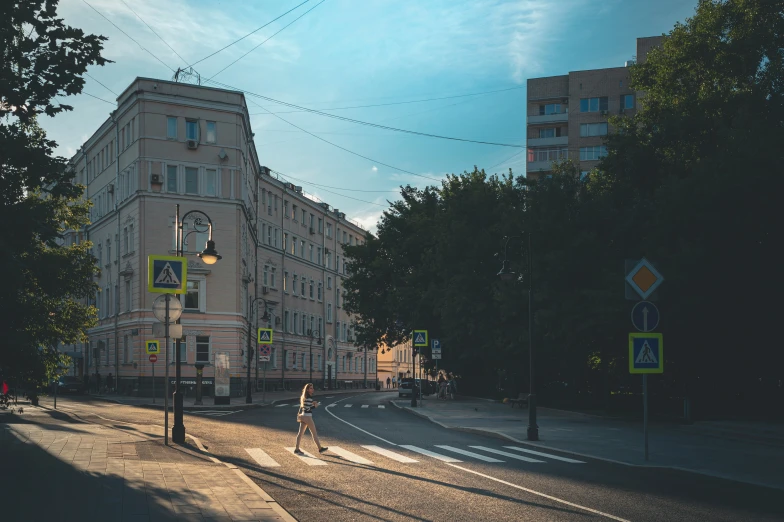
[
  {"x": 110, "y": 382},
  {"x": 305, "y": 419},
  {"x": 389, "y": 382},
  {"x": 394, "y": 382},
  {"x": 86, "y": 379},
  {"x": 441, "y": 386},
  {"x": 97, "y": 382}
]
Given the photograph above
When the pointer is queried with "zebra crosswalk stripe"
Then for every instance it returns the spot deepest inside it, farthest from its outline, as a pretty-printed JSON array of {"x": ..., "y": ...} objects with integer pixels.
[
  {"x": 365, "y": 406},
  {"x": 468, "y": 453},
  {"x": 308, "y": 458},
  {"x": 347, "y": 405},
  {"x": 381, "y": 406},
  {"x": 280, "y": 405},
  {"x": 390, "y": 454},
  {"x": 506, "y": 454},
  {"x": 261, "y": 458},
  {"x": 352, "y": 457},
  {"x": 556, "y": 457},
  {"x": 433, "y": 454}
]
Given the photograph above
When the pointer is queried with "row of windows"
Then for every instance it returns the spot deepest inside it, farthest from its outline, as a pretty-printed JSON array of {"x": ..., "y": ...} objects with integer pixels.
[
  {"x": 298, "y": 247},
  {"x": 192, "y": 129},
  {"x": 586, "y": 130},
  {"x": 601, "y": 103},
  {"x": 105, "y": 157},
  {"x": 303, "y": 361},
  {"x": 192, "y": 180}
]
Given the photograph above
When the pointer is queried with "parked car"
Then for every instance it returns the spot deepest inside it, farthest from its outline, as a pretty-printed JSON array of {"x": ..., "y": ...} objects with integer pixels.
[
  {"x": 404, "y": 389},
  {"x": 427, "y": 387},
  {"x": 69, "y": 384}
]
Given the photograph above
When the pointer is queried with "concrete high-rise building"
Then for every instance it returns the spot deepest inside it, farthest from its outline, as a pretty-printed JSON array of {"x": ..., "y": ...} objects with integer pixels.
[
  {"x": 171, "y": 143},
  {"x": 568, "y": 114}
]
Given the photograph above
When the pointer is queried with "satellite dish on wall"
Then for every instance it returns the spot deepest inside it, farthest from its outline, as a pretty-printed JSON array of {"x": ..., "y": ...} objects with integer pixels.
[{"x": 222, "y": 154}]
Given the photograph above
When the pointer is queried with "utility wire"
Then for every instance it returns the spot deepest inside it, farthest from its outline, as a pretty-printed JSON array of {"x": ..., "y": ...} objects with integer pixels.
[
  {"x": 400, "y": 103},
  {"x": 507, "y": 159},
  {"x": 250, "y": 33},
  {"x": 360, "y": 122},
  {"x": 265, "y": 41},
  {"x": 153, "y": 32},
  {"x": 336, "y": 193},
  {"x": 129, "y": 36},
  {"x": 102, "y": 85},
  {"x": 97, "y": 98},
  {"x": 337, "y": 188},
  {"x": 352, "y": 152}
]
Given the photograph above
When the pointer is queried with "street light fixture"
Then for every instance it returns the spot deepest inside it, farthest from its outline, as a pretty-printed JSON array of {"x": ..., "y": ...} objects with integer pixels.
[
  {"x": 506, "y": 274},
  {"x": 265, "y": 317},
  {"x": 313, "y": 335},
  {"x": 210, "y": 256}
]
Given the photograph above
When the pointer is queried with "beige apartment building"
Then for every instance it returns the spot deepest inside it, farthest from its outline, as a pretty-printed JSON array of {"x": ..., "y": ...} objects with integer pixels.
[
  {"x": 171, "y": 144},
  {"x": 568, "y": 115},
  {"x": 395, "y": 361}
]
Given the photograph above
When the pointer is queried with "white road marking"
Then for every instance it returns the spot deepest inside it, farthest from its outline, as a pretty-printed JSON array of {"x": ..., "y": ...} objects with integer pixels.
[
  {"x": 365, "y": 406},
  {"x": 390, "y": 454},
  {"x": 261, "y": 458},
  {"x": 296, "y": 405},
  {"x": 357, "y": 427},
  {"x": 308, "y": 458},
  {"x": 556, "y": 457},
  {"x": 347, "y": 405},
  {"x": 429, "y": 453},
  {"x": 381, "y": 406},
  {"x": 353, "y": 457},
  {"x": 280, "y": 405},
  {"x": 506, "y": 454},
  {"x": 330, "y": 397},
  {"x": 469, "y": 454},
  {"x": 534, "y": 492}
]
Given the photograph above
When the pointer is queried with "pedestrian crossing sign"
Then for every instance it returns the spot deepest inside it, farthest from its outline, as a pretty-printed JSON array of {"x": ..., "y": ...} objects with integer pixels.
[
  {"x": 153, "y": 347},
  {"x": 646, "y": 353},
  {"x": 265, "y": 335},
  {"x": 420, "y": 337},
  {"x": 167, "y": 274}
]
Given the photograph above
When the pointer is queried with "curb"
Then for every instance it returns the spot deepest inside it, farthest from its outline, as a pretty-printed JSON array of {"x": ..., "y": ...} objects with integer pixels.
[{"x": 503, "y": 436}]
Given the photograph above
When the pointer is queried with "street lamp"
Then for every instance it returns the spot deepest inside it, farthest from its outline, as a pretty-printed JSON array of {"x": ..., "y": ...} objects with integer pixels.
[
  {"x": 265, "y": 317},
  {"x": 210, "y": 256},
  {"x": 506, "y": 274},
  {"x": 313, "y": 335}
]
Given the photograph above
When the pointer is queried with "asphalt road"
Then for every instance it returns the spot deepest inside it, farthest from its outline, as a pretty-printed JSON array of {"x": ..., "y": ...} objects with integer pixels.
[{"x": 386, "y": 464}]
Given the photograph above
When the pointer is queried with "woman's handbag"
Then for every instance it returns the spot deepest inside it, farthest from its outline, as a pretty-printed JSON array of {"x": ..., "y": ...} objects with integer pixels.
[{"x": 300, "y": 417}]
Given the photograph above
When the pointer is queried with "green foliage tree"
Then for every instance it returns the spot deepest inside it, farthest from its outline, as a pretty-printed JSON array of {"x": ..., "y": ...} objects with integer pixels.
[{"x": 45, "y": 280}]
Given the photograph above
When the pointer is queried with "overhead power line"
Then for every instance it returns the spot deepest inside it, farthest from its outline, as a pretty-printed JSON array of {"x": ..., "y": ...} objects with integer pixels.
[
  {"x": 360, "y": 122},
  {"x": 402, "y": 102},
  {"x": 97, "y": 98},
  {"x": 265, "y": 41},
  {"x": 99, "y": 83},
  {"x": 250, "y": 33},
  {"x": 129, "y": 36},
  {"x": 153, "y": 32},
  {"x": 507, "y": 159},
  {"x": 336, "y": 193},
  {"x": 338, "y": 188}
]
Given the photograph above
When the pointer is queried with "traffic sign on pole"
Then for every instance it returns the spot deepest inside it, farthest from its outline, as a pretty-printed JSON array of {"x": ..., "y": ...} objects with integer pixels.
[
  {"x": 644, "y": 278},
  {"x": 435, "y": 348},
  {"x": 153, "y": 358},
  {"x": 167, "y": 274},
  {"x": 265, "y": 335},
  {"x": 420, "y": 337},
  {"x": 645, "y": 316},
  {"x": 265, "y": 352},
  {"x": 153, "y": 347},
  {"x": 646, "y": 353}
]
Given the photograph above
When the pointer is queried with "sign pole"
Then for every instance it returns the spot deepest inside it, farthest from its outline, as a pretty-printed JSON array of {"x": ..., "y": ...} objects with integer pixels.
[
  {"x": 166, "y": 386},
  {"x": 153, "y": 383},
  {"x": 264, "y": 385},
  {"x": 645, "y": 411}
]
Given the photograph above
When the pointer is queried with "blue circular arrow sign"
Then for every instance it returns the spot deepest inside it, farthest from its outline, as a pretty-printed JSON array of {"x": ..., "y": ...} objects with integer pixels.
[{"x": 645, "y": 316}]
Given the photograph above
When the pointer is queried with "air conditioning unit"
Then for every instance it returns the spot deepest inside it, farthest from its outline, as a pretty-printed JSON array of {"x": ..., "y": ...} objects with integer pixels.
[
  {"x": 192, "y": 144},
  {"x": 312, "y": 230},
  {"x": 604, "y": 113},
  {"x": 156, "y": 178},
  {"x": 110, "y": 189},
  {"x": 264, "y": 290}
]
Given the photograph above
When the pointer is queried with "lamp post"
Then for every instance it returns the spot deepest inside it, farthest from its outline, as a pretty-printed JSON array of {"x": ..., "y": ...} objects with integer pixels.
[
  {"x": 210, "y": 256},
  {"x": 507, "y": 275},
  {"x": 265, "y": 317},
  {"x": 313, "y": 335}
]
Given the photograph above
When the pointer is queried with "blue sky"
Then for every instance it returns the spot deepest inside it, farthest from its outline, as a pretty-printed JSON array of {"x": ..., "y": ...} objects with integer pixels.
[{"x": 363, "y": 52}]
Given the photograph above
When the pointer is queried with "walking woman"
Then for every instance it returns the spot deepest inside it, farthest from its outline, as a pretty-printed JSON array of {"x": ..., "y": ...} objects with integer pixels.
[{"x": 305, "y": 418}]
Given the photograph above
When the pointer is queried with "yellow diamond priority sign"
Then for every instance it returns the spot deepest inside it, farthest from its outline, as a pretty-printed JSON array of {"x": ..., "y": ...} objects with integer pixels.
[{"x": 644, "y": 278}]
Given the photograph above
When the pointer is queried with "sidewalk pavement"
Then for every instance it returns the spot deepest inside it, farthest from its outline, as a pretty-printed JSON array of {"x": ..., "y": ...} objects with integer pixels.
[
  {"x": 751, "y": 452},
  {"x": 237, "y": 403},
  {"x": 56, "y": 466}
]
